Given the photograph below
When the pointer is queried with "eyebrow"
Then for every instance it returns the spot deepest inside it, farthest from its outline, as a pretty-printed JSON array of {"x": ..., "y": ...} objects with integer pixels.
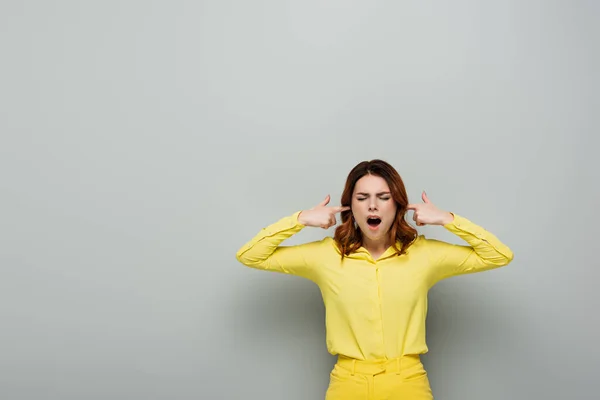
[{"x": 366, "y": 194}]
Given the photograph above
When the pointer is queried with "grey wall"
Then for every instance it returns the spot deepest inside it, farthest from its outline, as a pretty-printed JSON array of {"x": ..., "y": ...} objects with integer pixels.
[{"x": 143, "y": 142}]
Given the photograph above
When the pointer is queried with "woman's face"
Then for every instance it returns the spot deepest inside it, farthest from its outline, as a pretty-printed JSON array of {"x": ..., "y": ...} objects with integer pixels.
[{"x": 373, "y": 207}]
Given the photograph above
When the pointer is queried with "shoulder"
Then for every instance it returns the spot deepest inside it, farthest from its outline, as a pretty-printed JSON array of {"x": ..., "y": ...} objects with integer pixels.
[
  {"x": 330, "y": 243},
  {"x": 424, "y": 243},
  {"x": 419, "y": 242},
  {"x": 321, "y": 245},
  {"x": 436, "y": 248}
]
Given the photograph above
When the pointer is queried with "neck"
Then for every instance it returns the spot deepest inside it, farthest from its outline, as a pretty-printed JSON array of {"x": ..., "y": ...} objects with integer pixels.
[{"x": 377, "y": 246}]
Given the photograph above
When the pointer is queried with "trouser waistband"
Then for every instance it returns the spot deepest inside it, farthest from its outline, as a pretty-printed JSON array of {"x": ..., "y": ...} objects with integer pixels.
[{"x": 372, "y": 367}]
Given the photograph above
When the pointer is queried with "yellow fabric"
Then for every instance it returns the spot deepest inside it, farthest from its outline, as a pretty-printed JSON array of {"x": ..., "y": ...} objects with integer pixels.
[
  {"x": 375, "y": 309},
  {"x": 399, "y": 379}
]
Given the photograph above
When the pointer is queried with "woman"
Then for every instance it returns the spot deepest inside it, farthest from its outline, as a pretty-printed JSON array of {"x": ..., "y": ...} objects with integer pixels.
[{"x": 374, "y": 275}]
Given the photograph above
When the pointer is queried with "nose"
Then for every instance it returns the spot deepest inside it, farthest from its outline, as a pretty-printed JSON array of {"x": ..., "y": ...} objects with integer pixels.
[{"x": 372, "y": 205}]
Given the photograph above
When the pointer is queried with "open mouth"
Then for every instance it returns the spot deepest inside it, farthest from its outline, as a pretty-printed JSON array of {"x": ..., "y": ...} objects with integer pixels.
[{"x": 373, "y": 221}]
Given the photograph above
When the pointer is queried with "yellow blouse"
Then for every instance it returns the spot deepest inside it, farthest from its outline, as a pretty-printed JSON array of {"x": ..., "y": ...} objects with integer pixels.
[{"x": 375, "y": 308}]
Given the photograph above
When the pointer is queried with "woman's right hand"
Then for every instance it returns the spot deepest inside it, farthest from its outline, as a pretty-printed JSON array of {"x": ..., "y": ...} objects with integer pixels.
[{"x": 321, "y": 216}]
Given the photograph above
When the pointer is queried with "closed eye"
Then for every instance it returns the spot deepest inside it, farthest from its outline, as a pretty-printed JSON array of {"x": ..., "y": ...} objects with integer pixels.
[{"x": 364, "y": 198}]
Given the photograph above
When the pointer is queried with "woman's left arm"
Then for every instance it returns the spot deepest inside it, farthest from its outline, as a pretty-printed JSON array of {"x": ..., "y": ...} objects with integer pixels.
[{"x": 483, "y": 252}]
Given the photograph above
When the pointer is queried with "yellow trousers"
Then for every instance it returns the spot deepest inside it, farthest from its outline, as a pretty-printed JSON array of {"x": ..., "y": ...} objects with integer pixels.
[{"x": 402, "y": 378}]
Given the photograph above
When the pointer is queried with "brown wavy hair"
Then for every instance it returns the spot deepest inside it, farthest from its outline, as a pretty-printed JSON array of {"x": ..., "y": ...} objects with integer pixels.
[{"x": 347, "y": 236}]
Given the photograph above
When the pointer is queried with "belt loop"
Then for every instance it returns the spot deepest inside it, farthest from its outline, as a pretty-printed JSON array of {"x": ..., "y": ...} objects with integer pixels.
[
  {"x": 398, "y": 366},
  {"x": 353, "y": 366}
]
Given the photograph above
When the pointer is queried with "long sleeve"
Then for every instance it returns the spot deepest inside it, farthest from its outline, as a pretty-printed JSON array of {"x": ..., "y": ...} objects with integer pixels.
[
  {"x": 264, "y": 251},
  {"x": 483, "y": 252}
]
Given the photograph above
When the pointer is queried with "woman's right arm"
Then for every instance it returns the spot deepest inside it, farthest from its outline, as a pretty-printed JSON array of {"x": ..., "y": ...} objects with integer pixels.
[{"x": 264, "y": 251}]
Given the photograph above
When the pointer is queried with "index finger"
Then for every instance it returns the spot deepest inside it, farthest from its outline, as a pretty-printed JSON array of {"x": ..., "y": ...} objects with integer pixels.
[
  {"x": 340, "y": 209},
  {"x": 412, "y": 206}
]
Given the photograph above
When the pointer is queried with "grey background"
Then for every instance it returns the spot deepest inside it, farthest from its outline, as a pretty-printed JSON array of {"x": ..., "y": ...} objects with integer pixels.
[{"x": 144, "y": 142}]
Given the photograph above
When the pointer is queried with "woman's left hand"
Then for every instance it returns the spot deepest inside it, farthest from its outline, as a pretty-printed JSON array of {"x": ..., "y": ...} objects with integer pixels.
[{"x": 428, "y": 214}]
